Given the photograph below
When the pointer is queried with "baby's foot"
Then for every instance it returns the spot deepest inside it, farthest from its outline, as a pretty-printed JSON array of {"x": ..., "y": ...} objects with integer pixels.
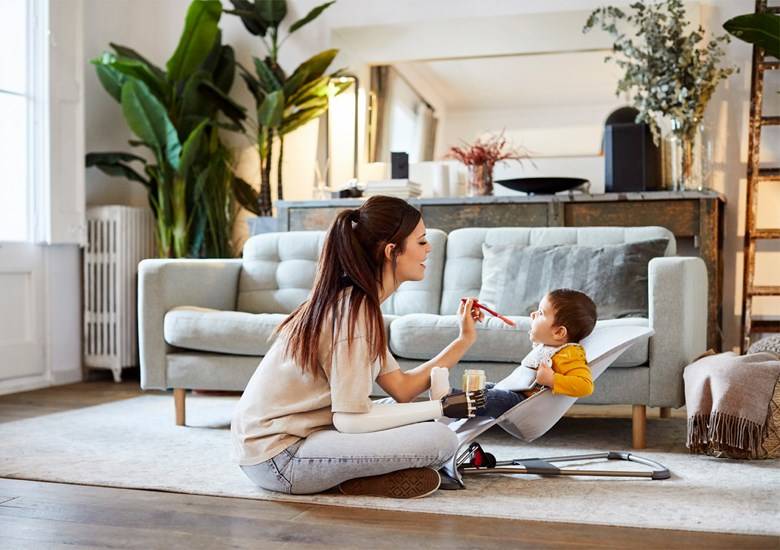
[{"x": 440, "y": 382}]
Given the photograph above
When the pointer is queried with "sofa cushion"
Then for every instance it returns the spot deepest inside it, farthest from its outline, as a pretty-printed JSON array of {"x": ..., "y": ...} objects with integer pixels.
[
  {"x": 463, "y": 269},
  {"x": 278, "y": 272},
  {"x": 422, "y": 336},
  {"x": 515, "y": 278},
  {"x": 231, "y": 332}
]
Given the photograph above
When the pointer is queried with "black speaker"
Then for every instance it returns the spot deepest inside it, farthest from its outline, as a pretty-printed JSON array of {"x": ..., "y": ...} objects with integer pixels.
[
  {"x": 633, "y": 161},
  {"x": 399, "y": 166}
]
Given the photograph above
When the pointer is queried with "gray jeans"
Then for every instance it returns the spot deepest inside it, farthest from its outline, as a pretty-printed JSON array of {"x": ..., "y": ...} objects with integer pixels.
[{"x": 328, "y": 457}]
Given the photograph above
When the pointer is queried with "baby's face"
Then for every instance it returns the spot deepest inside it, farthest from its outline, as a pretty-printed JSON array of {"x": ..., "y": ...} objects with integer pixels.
[{"x": 543, "y": 329}]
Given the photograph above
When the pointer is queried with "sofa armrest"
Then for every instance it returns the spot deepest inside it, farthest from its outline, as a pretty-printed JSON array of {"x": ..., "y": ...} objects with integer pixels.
[
  {"x": 165, "y": 284},
  {"x": 677, "y": 298}
]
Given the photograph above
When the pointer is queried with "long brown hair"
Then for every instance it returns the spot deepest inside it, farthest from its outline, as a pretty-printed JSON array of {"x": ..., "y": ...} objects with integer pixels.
[{"x": 352, "y": 256}]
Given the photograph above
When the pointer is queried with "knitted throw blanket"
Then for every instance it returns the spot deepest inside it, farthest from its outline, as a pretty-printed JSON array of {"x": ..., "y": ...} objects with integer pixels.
[{"x": 727, "y": 397}]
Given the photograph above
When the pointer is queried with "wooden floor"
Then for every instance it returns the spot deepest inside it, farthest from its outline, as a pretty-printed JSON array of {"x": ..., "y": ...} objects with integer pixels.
[{"x": 54, "y": 515}]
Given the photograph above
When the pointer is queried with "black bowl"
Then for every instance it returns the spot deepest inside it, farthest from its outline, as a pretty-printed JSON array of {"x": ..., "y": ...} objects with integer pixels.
[{"x": 542, "y": 186}]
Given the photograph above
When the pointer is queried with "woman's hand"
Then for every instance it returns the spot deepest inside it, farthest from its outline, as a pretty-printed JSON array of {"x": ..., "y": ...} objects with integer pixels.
[{"x": 468, "y": 316}]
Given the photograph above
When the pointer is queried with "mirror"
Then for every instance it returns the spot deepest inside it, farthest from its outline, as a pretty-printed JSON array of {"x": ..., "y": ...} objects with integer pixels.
[
  {"x": 553, "y": 104},
  {"x": 429, "y": 85}
]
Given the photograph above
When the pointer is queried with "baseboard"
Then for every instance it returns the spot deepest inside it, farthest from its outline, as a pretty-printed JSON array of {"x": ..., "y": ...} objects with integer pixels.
[
  {"x": 26, "y": 383},
  {"x": 72, "y": 376}
]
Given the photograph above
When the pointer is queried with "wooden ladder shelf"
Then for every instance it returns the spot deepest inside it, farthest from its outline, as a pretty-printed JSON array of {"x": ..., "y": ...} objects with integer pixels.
[{"x": 755, "y": 175}]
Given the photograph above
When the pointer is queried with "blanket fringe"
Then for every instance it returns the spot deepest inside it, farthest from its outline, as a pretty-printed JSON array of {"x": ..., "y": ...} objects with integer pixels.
[{"x": 720, "y": 431}]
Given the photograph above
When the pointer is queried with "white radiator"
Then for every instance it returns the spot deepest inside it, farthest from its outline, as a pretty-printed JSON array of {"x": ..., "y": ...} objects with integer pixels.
[{"x": 118, "y": 237}]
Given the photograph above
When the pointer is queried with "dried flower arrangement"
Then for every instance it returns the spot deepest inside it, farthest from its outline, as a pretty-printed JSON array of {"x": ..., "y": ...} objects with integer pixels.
[
  {"x": 489, "y": 151},
  {"x": 481, "y": 156}
]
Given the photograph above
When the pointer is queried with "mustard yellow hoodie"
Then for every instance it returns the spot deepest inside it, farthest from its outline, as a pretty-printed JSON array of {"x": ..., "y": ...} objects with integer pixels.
[{"x": 572, "y": 375}]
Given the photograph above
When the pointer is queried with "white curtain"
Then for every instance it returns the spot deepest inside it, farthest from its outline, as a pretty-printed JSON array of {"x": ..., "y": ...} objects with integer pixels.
[{"x": 425, "y": 132}]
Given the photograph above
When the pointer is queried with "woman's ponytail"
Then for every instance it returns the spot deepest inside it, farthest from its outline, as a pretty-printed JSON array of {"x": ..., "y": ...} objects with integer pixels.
[{"x": 352, "y": 256}]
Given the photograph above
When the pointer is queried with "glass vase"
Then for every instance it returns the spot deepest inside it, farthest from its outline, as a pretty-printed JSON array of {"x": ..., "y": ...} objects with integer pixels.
[
  {"x": 480, "y": 181},
  {"x": 687, "y": 158}
]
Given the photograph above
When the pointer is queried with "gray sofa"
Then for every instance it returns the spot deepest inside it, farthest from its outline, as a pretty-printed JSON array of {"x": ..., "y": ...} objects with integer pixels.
[{"x": 204, "y": 324}]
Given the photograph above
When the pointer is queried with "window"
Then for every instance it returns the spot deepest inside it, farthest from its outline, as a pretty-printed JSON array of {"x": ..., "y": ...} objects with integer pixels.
[{"x": 19, "y": 115}]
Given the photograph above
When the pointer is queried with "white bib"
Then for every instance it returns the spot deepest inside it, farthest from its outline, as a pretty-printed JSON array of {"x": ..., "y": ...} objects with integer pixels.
[{"x": 524, "y": 377}]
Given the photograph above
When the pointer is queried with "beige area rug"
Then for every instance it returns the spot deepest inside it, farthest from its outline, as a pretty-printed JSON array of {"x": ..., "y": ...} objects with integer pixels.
[{"x": 135, "y": 444}]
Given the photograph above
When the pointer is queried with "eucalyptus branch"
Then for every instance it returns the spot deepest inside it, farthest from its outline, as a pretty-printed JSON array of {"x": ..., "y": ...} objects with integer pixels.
[{"x": 669, "y": 70}]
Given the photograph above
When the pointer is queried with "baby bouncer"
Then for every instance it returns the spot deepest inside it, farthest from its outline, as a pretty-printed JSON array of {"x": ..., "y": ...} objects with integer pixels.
[{"x": 532, "y": 417}]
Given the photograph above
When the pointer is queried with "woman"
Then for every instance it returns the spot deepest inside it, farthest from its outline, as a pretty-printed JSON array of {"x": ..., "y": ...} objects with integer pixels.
[{"x": 305, "y": 422}]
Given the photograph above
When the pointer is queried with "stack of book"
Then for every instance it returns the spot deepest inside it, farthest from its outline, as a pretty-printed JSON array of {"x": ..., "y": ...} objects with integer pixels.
[{"x": 401, "y": 188}]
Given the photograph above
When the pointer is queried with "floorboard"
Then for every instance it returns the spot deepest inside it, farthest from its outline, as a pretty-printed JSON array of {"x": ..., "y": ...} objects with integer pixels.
[{"x": 37, "y": 514}]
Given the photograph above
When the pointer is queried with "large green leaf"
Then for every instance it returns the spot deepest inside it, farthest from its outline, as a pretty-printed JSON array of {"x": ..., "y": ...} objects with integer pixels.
[
  {"x": 232, "y": 110},
  {"x": 314, "y": 67},
  {"x": 113, "y": 164},
  {"x": 761, "y": 29},
  {"x": 271, "y": 110},
  {"x": 315, "y": 88},
  {"x": 130, "y": 53},
  {"x": 302, "y": 117},
  {"x": 197, "y": 230},
  {"x": 110, "y": 78},
  {"x": 191, "y": 148},
  {"x": 148, "y": 119},
  {"x": 271, "y": 11},
  {"x": 193, "y": 105},
  {"x": 139, "y": 70},
  {"x": 212, "y": 59},
  {"x": 225, "y": 71},
  {"x": 245, "y": 10},
  {"x": 252, "y": 83},
  {"x": 313, "y": 14},
  {"x": 197, "y": 39},
  {"x": 246, "y": 195},
  {"x": 312, "y": 103},
  {"x": 114, "y": 156},
  {"x": 268, "y": 80}
]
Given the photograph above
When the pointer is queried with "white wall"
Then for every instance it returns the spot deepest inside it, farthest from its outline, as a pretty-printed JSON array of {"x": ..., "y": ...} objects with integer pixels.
[
  {"x": 152, "y": 27},
  {"x": 727, "y": 118}
]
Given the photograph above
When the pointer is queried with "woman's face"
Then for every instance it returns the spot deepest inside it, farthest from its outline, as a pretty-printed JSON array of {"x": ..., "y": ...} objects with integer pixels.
[{"x": 410, "y": 264}]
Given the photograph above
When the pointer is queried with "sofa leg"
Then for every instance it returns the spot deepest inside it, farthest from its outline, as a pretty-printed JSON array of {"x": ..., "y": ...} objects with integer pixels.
[
  {"x": 638, "y": 426},
  {"x": 178, "y": 401},
  {"x": 666, "y": 412}
]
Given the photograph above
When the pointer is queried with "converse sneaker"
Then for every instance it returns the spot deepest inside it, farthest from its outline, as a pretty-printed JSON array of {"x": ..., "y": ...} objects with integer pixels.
[{"x": 409, "y": 483}]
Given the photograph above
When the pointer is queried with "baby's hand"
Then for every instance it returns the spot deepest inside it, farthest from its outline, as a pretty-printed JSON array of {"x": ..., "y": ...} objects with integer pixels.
[{"x": 545, "y": 375}]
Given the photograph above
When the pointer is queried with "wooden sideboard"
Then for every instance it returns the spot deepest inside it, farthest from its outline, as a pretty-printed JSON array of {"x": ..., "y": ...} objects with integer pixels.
[{"x": 692, "y": 215}]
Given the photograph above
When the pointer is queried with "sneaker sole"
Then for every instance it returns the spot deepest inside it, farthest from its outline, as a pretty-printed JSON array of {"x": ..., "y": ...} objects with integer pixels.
[{"x": 409, "y": 483}]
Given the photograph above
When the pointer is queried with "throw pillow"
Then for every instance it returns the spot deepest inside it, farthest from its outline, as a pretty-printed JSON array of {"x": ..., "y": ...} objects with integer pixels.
[{"x": 515, "y": 278}]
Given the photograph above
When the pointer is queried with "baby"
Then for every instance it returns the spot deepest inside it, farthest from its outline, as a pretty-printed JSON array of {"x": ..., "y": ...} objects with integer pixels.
[{"x": 563, "y": 319}]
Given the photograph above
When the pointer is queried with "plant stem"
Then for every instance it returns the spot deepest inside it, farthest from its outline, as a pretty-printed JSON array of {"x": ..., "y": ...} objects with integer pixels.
[
  {"x": 279, "y": 190},
  {"x": 266, "y": 152}
]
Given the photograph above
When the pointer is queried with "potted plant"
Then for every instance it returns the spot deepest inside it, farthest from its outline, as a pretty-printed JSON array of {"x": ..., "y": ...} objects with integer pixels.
[
  {"x": 175, "y": 115},
  {"x": 481, "y": 156},
  {"x": 283, "y": 101},
  {"x": 671, "y": 72}
]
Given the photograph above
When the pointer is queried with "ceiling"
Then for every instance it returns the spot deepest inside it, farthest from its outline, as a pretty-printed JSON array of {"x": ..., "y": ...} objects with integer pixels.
[{"x": 516, "y": 81}]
